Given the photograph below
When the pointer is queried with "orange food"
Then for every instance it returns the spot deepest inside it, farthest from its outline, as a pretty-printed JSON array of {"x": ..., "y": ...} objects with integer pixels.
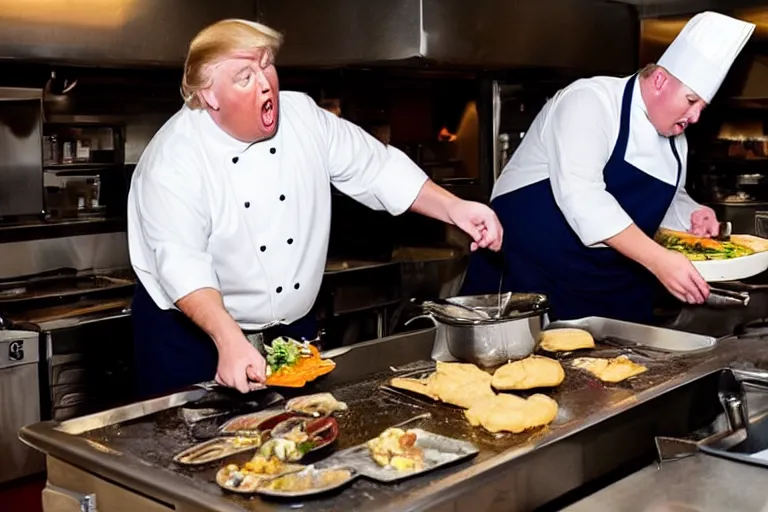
[{"x": 305, "y": 370}]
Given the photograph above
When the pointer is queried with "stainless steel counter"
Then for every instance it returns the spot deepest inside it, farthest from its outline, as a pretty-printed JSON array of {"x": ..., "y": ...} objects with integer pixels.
[
  {"x": 599, "y": 428},
  {"x": 699, "y": 483}
]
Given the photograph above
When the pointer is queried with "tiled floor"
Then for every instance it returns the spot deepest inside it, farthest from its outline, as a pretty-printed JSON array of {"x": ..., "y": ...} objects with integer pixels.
[{"x": 22, "y": 495}]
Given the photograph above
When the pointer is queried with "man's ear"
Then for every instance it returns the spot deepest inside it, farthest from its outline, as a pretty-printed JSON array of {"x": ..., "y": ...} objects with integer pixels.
[
  {"x": 660, "y": 78},
  {"x": 209, "y": 98}
]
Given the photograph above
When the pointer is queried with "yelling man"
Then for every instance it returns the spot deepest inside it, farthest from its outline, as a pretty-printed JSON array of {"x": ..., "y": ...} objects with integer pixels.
[
  {"x": 600, "y": 170},
  {"x": 230, "y": 205}
]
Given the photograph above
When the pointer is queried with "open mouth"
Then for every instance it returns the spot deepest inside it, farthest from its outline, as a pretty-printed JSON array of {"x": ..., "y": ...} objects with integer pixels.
[
  {"x": 683, "y": 125},
  {"x": 268, "y": 114}
]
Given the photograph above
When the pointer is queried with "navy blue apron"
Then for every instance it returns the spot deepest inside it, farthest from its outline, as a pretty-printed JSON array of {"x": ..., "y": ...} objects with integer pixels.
[
  {"x": 171, "y": 352},
  {"x": 542, "y": 254}
]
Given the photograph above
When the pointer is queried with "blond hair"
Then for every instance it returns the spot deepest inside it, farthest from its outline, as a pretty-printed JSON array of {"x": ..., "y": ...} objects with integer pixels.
[{"x": 216, "y": 42}]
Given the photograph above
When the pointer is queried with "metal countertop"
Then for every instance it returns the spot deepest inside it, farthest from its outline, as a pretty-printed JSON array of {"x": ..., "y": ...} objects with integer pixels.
[
  {"x": 584, "y": 403},
  {"x": 700, "y": 483}
]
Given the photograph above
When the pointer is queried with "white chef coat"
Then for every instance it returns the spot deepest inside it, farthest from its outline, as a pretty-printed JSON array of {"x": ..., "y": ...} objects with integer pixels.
[
  {"x": 570, "y": 142},
  {"x": 253, "y": 220}
]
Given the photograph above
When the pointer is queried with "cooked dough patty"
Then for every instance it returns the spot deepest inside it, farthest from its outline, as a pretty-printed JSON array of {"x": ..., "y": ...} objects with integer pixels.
[
  {"x": 565, "y": 340},
  {"x": 511, "y": 413},
  {"x": 529, "y": 373},
  {"x": 610, "y": 370}
]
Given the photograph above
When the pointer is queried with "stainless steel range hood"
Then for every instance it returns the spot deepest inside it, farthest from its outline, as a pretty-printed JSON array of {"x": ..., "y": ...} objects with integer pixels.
[
  {"x": 116, "y": 33},
  {"x": 748, "y": 78},
  {"x": 585, "y": 35}
]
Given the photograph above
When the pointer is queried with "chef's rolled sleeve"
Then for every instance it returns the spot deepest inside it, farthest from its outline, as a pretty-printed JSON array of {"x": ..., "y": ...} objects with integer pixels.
[
  {"x": 175, "y": 227},
  {"x": 578, "y": 148},
  {"x": 379, "y": 176}
]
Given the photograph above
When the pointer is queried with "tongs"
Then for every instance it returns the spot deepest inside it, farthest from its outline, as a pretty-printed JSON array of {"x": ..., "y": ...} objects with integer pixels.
[
  {"x": 724, "y": 234},
  {"x": 719, "y": 297}
]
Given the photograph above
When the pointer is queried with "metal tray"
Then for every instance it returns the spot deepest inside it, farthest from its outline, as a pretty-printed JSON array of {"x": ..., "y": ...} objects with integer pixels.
[
  {"x": 630, "y": 334},
  {"x": 438, "y": 450}
]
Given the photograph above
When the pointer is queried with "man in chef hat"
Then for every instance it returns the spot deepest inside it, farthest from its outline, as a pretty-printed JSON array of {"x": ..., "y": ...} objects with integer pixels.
[
  {"x": 230, "y": 206},
  {"x": 600, "y": 170}
]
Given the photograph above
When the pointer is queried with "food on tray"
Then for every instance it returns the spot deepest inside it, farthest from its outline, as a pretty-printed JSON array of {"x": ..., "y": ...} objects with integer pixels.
[
  {"x": 459, "y": 384},
  {"x": 319, "y": 404},
  {"x": 284, "y": 449},
  {"x": 253, "y": 474},
  {"x": 610, "y": 370},
  {"x": 755, "y": 243},
  {"x": 565, "y": 340},
  {"x": 295, "y": 436},
  {"x": 529, "y": 373},
  {"x": 510, "y": 413},
  {"x": 310, "y": 479},
  {"x": 249, "y": 424},
  {"x": 218, "y": 448},
  {"x": 395, "y": 448},
  {"x": 293, "y": 364},
  {"x": 702, "y": 248}
]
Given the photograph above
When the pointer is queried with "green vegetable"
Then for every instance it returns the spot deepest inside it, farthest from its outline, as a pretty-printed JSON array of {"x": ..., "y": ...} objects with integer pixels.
[{"x": 283, "y": 352}]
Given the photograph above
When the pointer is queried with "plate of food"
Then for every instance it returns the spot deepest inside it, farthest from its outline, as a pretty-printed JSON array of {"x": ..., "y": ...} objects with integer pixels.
[
  {"x": 396, "y": 454},
  {"x": 247, "y": 478},
  {"x": 307, "y": 482},
  {"x": 739, "y": 257},
  {"x": 292, "y": 364}
]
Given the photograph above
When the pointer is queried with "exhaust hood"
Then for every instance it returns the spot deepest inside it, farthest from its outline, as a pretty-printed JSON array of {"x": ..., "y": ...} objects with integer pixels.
[
  {"x": 111, "y": 33},
  {"x": 747, "y": 81},
  {"x": 585, "y": 35}
]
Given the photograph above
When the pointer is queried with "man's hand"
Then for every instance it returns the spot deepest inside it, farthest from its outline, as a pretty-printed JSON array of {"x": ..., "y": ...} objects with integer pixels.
[
  {"x": 475, "y": 219},
  {"x": 672, "y": 269},
  {"x": 240, "y": 366},
  {"x": 704, "y": 222},
  {"x": 479, "y": 222},
  {"x": 680, "y": 277}
]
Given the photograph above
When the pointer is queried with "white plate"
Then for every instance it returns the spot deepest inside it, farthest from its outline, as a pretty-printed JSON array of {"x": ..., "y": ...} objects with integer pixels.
[{"x": 730, "y": 270}]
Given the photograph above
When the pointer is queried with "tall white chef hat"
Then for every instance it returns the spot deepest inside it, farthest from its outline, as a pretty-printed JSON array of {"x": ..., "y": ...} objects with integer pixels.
[{"x": 703, "y": 52}]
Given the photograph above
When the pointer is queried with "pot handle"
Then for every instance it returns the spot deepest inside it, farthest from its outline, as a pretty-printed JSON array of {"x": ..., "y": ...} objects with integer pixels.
[{"x": 411, "y": 320}]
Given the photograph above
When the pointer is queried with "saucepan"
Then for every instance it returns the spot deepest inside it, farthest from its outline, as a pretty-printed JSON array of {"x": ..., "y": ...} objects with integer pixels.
[{"x": 488, "y": 330}]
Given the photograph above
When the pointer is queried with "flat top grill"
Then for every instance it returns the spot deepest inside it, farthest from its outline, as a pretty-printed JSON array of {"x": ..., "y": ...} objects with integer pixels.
[{"x": 156, "y": 438}]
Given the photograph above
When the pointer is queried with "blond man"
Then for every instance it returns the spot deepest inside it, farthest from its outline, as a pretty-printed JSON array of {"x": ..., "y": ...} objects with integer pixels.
[{"x": 229, "y": 211}]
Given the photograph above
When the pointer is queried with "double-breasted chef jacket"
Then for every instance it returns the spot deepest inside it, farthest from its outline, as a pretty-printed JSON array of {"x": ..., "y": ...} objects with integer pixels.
[
  {"x": 250, "y": 220},
  {"x": 592, "y": 164}
]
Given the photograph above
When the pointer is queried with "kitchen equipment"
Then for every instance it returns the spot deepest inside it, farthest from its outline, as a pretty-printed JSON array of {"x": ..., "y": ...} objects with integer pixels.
[
  {"x": 21, "y": 152},
  {"x": 724, "y": 234},
  {"x": 19, "y": 402},
  {"x": 487, "y": 342},
  {"x": 638, "y": 334},
  {"x": 727, "y": 298}
]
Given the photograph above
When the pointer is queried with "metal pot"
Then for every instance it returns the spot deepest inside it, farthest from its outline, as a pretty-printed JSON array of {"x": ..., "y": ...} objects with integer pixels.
[{"x": 489, "y": 341}]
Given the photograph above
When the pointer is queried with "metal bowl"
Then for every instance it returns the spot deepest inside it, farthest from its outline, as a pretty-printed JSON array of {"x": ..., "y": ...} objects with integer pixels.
[{"x": 491, "y": 341}]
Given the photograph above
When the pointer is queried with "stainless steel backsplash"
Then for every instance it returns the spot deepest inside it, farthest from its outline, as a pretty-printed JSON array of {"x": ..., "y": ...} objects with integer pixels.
[{"x": 100, "y": 251}]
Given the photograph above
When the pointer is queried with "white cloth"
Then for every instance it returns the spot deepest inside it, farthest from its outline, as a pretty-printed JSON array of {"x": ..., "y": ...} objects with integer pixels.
[
  {"x": 570, "y": 142},
  {"x": 253, "y": 221},
  {"x": 703, "y": 52}
]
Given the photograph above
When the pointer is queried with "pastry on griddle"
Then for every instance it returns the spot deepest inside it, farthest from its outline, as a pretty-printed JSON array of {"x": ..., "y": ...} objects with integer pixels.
[
  {"x": 529, "y": 373},
  {"x": 459, "y": 384},
  {"x": 319, "y": 404},
  {"x": 510, "y": 413},
  {"x": 565, "y": 340},
  {"x": 610, "y": 370}
]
